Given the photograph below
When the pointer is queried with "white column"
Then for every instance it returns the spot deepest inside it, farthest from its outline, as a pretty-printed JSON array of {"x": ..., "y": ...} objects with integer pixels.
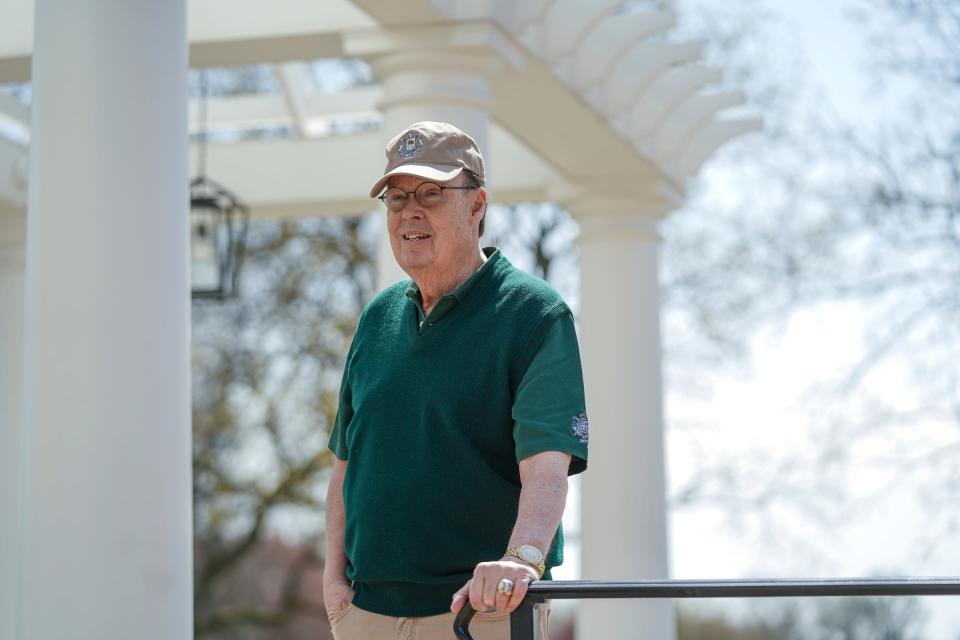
[
  {"x": 12, "y": 255},
  {"x": 107, "y": 470},
  {"x": 440, "y": 85},
  {"x": 624, "y": 515}
]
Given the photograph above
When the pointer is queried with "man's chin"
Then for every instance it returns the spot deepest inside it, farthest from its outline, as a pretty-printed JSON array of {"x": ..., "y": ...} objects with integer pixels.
[{"x": 414, "y": 264}]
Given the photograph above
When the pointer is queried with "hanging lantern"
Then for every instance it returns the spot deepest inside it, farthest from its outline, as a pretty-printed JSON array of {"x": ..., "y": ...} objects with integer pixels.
[
  {"x": 218, "y": 230},
  {"x": 218, "y": 226}
]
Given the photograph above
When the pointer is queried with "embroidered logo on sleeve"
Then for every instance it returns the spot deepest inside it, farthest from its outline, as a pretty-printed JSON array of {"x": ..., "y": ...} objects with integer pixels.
[{"x": 580, "y": 427}]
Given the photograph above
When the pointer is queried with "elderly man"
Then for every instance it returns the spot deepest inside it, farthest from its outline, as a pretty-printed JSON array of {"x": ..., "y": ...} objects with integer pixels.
[{"x": 461, "y": 415}]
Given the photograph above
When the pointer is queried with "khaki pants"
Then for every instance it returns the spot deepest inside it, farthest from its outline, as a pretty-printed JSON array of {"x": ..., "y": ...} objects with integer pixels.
[{"x": 354, "y": 623}]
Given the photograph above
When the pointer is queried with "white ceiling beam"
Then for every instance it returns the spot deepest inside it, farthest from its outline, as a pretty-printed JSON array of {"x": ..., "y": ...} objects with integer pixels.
[
  {"x": 332, "y": 176},
  {"x": 666, "y": 93},
  {"x": 240, "y": 112},
  {"x": 637, "y": 69},
  {"x": 297, "y": 177},
  {"x": 16, "y": 40},
  {"x": 707, "y": 140},
  {"x": 221, "y": 32},
  {"x": 515, "y": 16},
  {"x": 271, "y": 110},
  {"x": 264, "y": 50},
  {"x": 474, "y": 39},
  {"x": 15, "y": 66},
  {"x": 296, "y": 79},
  {"x": 391, "y": 13},
  {"x": 612, "y": 39},
  {"x": 578, "y": 142},
  {"x": 681, "y": 123},
  {"x": 564, "y": 25},
  {"x": 467, "y": 9},
  {"x": 212, "y": 20}
]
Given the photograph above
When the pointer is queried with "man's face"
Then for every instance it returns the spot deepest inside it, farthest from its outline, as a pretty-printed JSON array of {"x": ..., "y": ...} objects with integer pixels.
[{"x": 438, "y": 240}]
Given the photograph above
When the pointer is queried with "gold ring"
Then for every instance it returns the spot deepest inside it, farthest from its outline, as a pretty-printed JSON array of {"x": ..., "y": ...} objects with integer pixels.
[{"x": 505, "y": 586}]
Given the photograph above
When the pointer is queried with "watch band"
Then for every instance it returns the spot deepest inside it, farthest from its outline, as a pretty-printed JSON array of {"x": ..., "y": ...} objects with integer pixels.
[{"x": 516, "y": 552}]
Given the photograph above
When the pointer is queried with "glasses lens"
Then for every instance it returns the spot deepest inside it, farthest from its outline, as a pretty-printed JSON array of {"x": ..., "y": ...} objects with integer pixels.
[
  {"x": 429, "y": 194},
  {"x": 395, "y": 199}
]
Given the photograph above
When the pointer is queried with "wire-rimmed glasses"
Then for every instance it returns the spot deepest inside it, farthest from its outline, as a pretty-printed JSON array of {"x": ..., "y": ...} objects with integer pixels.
[{"x": 428, "y": 194}]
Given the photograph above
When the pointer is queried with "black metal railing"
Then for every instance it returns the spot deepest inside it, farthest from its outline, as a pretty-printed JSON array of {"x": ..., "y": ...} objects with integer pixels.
[{"x": 522, "y": 623}]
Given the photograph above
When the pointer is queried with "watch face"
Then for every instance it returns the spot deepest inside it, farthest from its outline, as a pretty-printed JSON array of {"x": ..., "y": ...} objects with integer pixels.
[{"x": 531, "y": 554}]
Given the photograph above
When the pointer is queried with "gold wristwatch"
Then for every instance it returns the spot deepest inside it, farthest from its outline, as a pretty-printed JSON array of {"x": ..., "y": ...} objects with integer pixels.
[{"x": 529, "y": 555}]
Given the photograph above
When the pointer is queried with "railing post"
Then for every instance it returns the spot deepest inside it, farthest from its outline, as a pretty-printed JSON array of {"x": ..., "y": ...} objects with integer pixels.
[{"x": 521, "y": 622}]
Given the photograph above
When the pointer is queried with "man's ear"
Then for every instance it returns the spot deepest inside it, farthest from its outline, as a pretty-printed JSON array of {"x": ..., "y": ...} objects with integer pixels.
[{"x": 480, "y": 202}]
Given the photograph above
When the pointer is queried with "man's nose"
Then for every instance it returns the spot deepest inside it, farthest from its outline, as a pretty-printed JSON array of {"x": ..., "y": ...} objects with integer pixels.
[{"x": 412, "y": 210}]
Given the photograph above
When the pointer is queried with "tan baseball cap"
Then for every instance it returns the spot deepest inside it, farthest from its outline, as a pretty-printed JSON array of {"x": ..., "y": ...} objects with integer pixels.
[{"x": 432, "y": 150}]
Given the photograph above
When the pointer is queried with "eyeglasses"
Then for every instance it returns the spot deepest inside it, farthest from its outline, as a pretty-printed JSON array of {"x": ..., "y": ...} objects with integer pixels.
[{"x": 428, "y": 194}]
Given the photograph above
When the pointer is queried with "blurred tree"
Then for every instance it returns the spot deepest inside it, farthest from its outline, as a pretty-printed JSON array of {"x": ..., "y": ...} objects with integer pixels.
[
  {"x": 266, "y": 372},
  {"x": 700, "y": 626},
  {"x": 856, "y": 618},
  {"x": 539, "y": 238},
  {"x": 851, "y": 213},
  {"x": 865, "y": 619}
]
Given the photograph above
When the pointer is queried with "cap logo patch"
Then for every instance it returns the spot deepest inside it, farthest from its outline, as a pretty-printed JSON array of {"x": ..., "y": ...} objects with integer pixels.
[
  {"x": 581, "y": 427},
  {"x": 410, "y": 144}
]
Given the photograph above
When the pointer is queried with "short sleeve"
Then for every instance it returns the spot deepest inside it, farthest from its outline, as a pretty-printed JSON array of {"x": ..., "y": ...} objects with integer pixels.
[
  {"x": 338, "y": 435},
  {"x": 549, "y": 409}
]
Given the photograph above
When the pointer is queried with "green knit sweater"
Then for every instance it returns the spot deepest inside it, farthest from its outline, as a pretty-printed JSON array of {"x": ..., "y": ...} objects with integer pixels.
[{"x": 428, "y": 425}]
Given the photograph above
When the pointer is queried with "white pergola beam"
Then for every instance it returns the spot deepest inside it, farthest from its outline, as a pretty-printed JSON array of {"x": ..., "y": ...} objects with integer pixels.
[
  {"x": 221, "y": 32},
  {"x": 682, "y": 122},
  {"x": 710, "y": 138},
  {"x": 638, "y": 68},
  {"x": 666, "y": 93},
  {"x": 467, "y": 9},
  {"x": 264, "y": 50},
  {"x": 266, "y": 110},
  {"x": 579, "y": 143},
  {"x": 289, "y": 178},
  {"x": 519, "y": 16},
  {"x": 16, "y": 40},
  {"x": 240, "y": 112},
  {"x": 389, "y": 13},
  {"x": 296, "y": 80},
  {"x": 592, "y": 149},
  {"x": 612, "y": 39},
  {"x": 565, "y": 24},
  {"x": 300, "y": 29},
  {"x": 15, "y": 63},
  {"x": 212, "y": 20},
  {"x": 481, "y": 40}
]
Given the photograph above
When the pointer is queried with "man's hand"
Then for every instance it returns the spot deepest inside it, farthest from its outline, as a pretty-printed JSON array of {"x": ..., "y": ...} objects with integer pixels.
[
  {"x": 482, "y": 592},
  {"x": 337, "y": 595}
]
